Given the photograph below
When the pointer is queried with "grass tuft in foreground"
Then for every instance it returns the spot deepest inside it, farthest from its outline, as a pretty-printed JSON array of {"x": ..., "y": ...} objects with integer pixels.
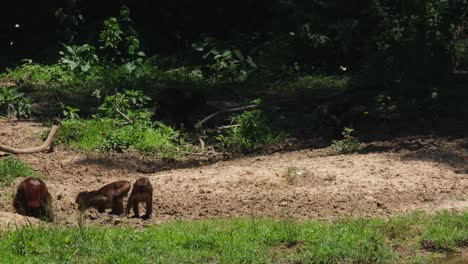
[{"x": 240, "y": 241}]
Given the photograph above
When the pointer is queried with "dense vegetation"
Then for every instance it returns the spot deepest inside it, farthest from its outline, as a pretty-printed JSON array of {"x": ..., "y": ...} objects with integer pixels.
[{"x": 399, "y": 61}]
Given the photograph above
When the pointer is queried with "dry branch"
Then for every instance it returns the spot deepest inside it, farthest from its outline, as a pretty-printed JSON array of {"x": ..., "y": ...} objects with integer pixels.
[
  {"x": 123, "y": 115},
  {"x": 199, "y": 124},
  {"x": 47, "y": 146}
]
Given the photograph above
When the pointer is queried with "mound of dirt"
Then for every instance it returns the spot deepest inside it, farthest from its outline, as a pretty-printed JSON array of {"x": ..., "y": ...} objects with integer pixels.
[
  {"x": 386, "y": 178},
  {"x": 10, "y": 220}
]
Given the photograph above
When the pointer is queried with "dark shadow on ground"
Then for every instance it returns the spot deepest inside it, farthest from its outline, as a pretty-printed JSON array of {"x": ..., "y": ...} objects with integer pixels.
[
  {"x": 449, "y": 151},
  {"x": 136, "y": 163}
]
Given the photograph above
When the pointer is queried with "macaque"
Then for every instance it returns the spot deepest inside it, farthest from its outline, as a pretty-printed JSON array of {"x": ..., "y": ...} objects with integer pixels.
[
  {"x": 178, "y": 105},
  {"x": 340, "y": 114},
  {"x": 142, "y": 192},
  {"x": 109, "y": 196},
  {"x": 33, "y": 199}
]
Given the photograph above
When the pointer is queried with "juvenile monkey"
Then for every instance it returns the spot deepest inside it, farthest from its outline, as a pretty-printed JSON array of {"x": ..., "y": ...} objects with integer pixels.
[
  {"x": 142, "y": 192},
  {"x": 109, "y": 196},
  {"x": 33, "y": 199}
]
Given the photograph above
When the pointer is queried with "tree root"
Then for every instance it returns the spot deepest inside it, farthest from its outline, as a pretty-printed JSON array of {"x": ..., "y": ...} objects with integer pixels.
[{"x": 47, "y": 146}]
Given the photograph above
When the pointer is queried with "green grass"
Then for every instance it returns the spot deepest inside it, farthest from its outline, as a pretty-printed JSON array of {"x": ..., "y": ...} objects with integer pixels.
[
  {"x": 316, "y": 85},
  {"x": 103, "y": 134},
  {"x": 248, "y": 240},
  {"x": 12, "y": 168},
  {"x": 75, "y": 89},
  {"x": 446, "y": 233}
]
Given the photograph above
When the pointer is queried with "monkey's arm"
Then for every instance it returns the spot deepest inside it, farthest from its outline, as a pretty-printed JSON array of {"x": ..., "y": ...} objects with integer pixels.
[
  {"x": 129, "y": 204},
  {"x": 122, "y": 190},
  {"x": 18, "y": 201},
  {"x": 149, "y": 207},
  {"x": 49, "y": 212}
]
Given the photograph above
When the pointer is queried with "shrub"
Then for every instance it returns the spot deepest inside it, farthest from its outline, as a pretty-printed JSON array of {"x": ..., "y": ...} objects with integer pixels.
[
  {"x": 347, "y": 144},
  {"x": 250, "y": 131},
  {"x": 130, "y": 102},
  {"x": 105, "y": 134},
  {"x": 78, "y": 57},
  {"x": 70, "y": 113},
  {"x": 13, "y": 103}
]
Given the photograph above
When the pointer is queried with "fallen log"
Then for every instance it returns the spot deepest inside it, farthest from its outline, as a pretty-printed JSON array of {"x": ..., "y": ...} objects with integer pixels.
[{"x": 47, "y": 146}]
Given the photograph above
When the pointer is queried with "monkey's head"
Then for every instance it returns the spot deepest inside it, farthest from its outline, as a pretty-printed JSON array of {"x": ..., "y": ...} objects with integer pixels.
[
  {"x": 90, "y": 199},
  {"x": 142, "y": 185},
  {"x": 33, "y": 192},
  {"x": 82, "y": 200}
]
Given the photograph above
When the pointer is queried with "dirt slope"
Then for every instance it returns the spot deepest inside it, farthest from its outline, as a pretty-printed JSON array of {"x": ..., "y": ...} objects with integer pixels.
[{"x": 386, "y": 179}]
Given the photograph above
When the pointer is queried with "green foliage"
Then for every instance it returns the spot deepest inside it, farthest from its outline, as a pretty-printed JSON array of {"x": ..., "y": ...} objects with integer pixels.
[
  {"x": 131, "y": 103},
  {"x": 32, "y": 75},
  {"x": 53, "y": 84},
  {"x": 251, "y": 130},
  {"x": 121, "y": 46},
  {"x": 314, "y": 85},
  {"x": 111, "y": 35},
  {"x": 106, "y": 135},
  {"x": 78, "y": 57},
  {"x": 385, "y": 107},
  {"x": 248, "y": 240},
  {"x": 120, "y": 41},
  {"x": 14, "y": 103},
  {"x": 122, "y": 123},
  {"x": 12, "y": 168},
  {"x": 70, "y": 113},
  {"x": 414, "y": 40},
  {"x": 348, "y": 144},
  {"x": 461, "y": 55},
  {"x": 224, "y": 61},
  {"x": 394, "y": 46},
  {"x": 48, "y": 84}
]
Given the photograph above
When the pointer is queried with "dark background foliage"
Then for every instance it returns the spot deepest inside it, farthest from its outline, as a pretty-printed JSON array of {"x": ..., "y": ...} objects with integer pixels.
[
  {"x": 415, "y": 49},
  {"x": 357, "y": 32}
]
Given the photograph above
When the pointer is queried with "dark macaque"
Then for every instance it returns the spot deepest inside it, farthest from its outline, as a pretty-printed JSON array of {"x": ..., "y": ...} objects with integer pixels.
[
  {"x": 142, "y": 192},
  {"x": 340, "y": 114},
  {"x": 109, "y": 196},
  {"x": 178, "y": 106},
  {"x": 33, "y": 199}
]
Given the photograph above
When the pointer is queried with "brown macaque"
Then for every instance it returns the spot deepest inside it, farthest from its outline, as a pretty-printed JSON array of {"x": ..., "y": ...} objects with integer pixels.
[
  {"x": 142, "y": 192},
  {"x": 178, "y": 106},
  {"x": 340, "y": 114},
  {"x": 109, "y": 196},
  {"x": 33, "y": 199}
]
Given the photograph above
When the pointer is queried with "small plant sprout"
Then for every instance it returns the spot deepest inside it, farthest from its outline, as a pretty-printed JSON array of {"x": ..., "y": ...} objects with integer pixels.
[{"x": 348, "y": 144}]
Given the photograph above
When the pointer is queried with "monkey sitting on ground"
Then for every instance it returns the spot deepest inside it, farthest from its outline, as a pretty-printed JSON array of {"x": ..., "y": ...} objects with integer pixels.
[
  {"x": 142, "y": 192},
  {"x": 33, "y": 199},
  {"x": 109, "y": 196}
]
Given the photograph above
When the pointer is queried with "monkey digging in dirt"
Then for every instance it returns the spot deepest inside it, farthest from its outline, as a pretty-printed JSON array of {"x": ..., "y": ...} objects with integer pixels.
[
  {"x": 33, "y": 199},
  {"x": 109, "y": 196}
]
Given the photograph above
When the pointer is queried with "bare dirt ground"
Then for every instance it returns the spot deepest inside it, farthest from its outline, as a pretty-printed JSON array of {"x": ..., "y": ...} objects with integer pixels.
[{"x": 386, "y": 178}]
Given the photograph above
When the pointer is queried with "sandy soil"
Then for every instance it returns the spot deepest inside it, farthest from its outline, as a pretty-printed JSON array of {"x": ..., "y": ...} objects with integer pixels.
[{"x": 386, "y": 178}]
